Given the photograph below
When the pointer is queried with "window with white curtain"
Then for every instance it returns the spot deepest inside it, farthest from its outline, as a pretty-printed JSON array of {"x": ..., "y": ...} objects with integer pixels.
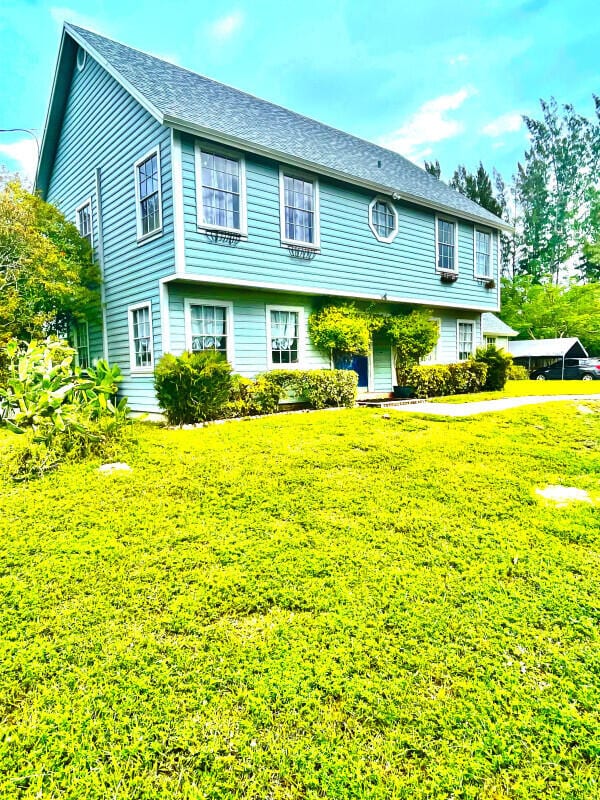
[
  {"x": 299, "y": 198},
  {"x": 222, "y": 192},
  {"x": 466, "y": 337},
  {"x": 208, "y": 328},
  {"x": 284, "y": 335}
]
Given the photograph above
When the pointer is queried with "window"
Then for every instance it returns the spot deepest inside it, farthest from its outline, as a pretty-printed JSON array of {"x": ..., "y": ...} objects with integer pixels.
[
  {"x": 283, "y": 332},
  {"x": 81, "y": 342},
  {"x": 465, "y": 339},
  {"x": 490, "y": 340},
  {"x": 446, "y": 245},
  {"x": 299, "y": 200},
  {"x": 84, "y": 221},
  {"x": 209, "y": 327},
  {"x": 221, "y": 198},
  {"x": 433, "y": 357},
  {"x": 140, "y": 338},
  {"x": 483, "y": 254},
  {"x": 383, "y": 219},
  {"x": 148, "y": 193}
]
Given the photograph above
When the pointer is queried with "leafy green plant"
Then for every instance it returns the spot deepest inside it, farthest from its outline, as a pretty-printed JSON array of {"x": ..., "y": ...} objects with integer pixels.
[
  {"x": 253, "y": 397},
  {"x": 498, "y": 364},
  {"x": 413, "y": 336},
  {"x": 438, "y": 380},
  {"x": 63, "y": 412},
  {"x": 193, "y": 387},
  {"x": 517, "y": 373},
  {"x": 342, "y": 329}
]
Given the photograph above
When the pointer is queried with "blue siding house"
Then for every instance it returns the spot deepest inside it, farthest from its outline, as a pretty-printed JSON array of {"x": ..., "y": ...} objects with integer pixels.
[{"x": 221, "y": 221}]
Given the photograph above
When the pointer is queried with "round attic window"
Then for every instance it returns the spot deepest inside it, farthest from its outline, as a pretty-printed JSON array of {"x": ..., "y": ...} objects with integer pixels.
[{"x": 81, "y": 58}]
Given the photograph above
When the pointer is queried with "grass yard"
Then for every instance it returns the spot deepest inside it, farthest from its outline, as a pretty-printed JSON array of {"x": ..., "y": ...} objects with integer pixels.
[
  {"x": 324, "y": 605},
  {"x": 526, "y": 389}
]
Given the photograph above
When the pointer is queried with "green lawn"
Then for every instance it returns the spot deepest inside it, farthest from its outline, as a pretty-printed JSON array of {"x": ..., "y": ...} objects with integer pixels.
[
  {"x": 323, "y": 605},
  {"x": 526, "y": 389}
]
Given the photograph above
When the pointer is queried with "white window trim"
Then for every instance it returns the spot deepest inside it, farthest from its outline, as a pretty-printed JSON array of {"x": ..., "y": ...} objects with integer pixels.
[
  {"x": 77, "y": 343},
  {"x": 293, "y": 173},
  {"x": 79, "y": 208},
  {"x": 227, "y": 304},
  {"x": 134, "y": 369},
  {"x": 220, "y": 151},
  {"x": 460, "y": 322},
  {"x": 146, "y": 237},
  {"x": 301, "y": 341},
  {"x": 434, "y": 353},
  {"x": 454, "y": 221},
  {"x": 489, "y": 233},
  {"x": 376, "y": 234}
]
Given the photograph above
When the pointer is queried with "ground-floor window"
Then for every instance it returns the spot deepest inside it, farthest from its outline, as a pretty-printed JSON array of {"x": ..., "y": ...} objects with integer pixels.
[
  {"x": 433, "y": 357},
  {"x": 283, "y": 335},
  {"x": 466, "y": 337},
  {"x": 81, "y": 342},
  {"x": 490, "y": 340},
  {"x": 208, "y": 327},
  {"x": 140, "y": 338}
]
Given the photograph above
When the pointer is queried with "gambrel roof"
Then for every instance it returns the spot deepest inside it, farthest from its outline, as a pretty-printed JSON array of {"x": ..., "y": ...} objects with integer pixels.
[{"x": 205, "y": 107}]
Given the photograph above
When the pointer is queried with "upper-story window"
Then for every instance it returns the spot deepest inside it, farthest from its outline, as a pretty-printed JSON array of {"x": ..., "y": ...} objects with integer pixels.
[
  {"x": 299, "y": 200},
  {"x": 84, "y": 221},
  {"x": 383, "y": 219},
  {"x": 446, "y": 245},
  {"x": 221, "y": 180},
  {"x": 148, "y": 194},
  {"x": 483, "y": 254}
]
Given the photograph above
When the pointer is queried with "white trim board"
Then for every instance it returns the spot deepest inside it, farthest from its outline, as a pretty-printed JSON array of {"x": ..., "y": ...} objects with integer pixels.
[
  {"x": 312, "y": 291},
  {"x": 178, "y": 205}
]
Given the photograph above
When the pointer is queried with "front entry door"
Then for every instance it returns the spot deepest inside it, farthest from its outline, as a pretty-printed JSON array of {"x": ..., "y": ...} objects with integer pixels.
[{"x": 360, "y": 365}]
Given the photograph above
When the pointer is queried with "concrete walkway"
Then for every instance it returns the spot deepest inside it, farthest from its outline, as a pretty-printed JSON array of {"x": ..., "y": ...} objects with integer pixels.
[{"x": 485, "y": 406}]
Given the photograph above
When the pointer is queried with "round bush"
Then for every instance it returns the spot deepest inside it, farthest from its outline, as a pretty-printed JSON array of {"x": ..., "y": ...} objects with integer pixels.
[{"x": 193, "y": 387}]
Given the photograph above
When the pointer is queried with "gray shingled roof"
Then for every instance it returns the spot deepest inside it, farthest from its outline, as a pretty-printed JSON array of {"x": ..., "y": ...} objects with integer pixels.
[
  {"x": 196, "y": 101},
  {"x": 492, "y": 325}
]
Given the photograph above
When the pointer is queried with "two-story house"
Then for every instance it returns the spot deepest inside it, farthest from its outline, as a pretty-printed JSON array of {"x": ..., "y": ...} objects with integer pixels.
[{"x": 221, "y": 221}]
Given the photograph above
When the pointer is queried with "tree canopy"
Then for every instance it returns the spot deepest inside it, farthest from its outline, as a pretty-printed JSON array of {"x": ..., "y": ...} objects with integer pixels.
[{"x": 47, "y": 275}]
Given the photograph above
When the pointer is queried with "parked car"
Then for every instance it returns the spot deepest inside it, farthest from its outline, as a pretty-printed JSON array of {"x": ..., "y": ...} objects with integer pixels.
[{"x": 575, "y": 369}]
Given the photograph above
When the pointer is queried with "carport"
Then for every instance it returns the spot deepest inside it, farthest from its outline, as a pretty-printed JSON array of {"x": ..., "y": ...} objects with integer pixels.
[{"x": 535, "y": 353}]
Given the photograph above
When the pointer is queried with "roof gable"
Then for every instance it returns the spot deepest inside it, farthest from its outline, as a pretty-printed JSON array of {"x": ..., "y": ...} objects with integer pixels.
[
  {"x": 186, "y": 100},
  {"x": 492, "y": 325}
]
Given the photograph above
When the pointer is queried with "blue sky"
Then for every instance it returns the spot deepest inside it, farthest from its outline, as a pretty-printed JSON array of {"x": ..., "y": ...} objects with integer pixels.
[{"x": 426, "y": 78}]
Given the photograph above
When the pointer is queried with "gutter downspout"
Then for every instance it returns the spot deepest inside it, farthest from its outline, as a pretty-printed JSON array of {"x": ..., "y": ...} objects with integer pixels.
[{"x": 100, "y": 254}]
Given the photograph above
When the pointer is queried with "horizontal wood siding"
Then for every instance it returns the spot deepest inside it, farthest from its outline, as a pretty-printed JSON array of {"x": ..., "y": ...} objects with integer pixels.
[
  {"x": 351, "y": 258},
  {"x": 104, "y": 127}
]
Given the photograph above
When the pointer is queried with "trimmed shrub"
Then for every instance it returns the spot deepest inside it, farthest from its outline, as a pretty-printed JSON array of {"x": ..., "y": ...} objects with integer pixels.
[
  {"x": 193, "y": 387},
  {"x": 517, "y": 373},
  {"x": 445, "y": 379},
  {"x": 498, "y": 363},
  {"x": 323, "y": 388},
  {"x": 252, "y": 397}
]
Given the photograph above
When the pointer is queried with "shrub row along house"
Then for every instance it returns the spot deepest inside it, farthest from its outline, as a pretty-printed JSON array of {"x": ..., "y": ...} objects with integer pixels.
[{"x": 221, "y": 221}]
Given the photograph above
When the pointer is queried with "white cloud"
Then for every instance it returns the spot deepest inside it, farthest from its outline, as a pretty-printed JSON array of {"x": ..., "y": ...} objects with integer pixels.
[
  {"x": 429, "y": 124},
  {"x": 22, "y": 156},
  {"x": 224, "y": 27},
  {"x": 461, "y": 58},
  {"x": 507, "y": 123}
]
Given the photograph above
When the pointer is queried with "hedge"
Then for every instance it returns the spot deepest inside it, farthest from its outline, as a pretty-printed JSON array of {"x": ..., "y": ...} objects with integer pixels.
[{"x": 443, "y": 379}]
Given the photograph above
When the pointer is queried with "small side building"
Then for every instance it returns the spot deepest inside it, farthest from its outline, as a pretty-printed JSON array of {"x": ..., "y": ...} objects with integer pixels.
[
  {"x": 536, "y": 353},
  {"x": 496, "y": 332}
]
